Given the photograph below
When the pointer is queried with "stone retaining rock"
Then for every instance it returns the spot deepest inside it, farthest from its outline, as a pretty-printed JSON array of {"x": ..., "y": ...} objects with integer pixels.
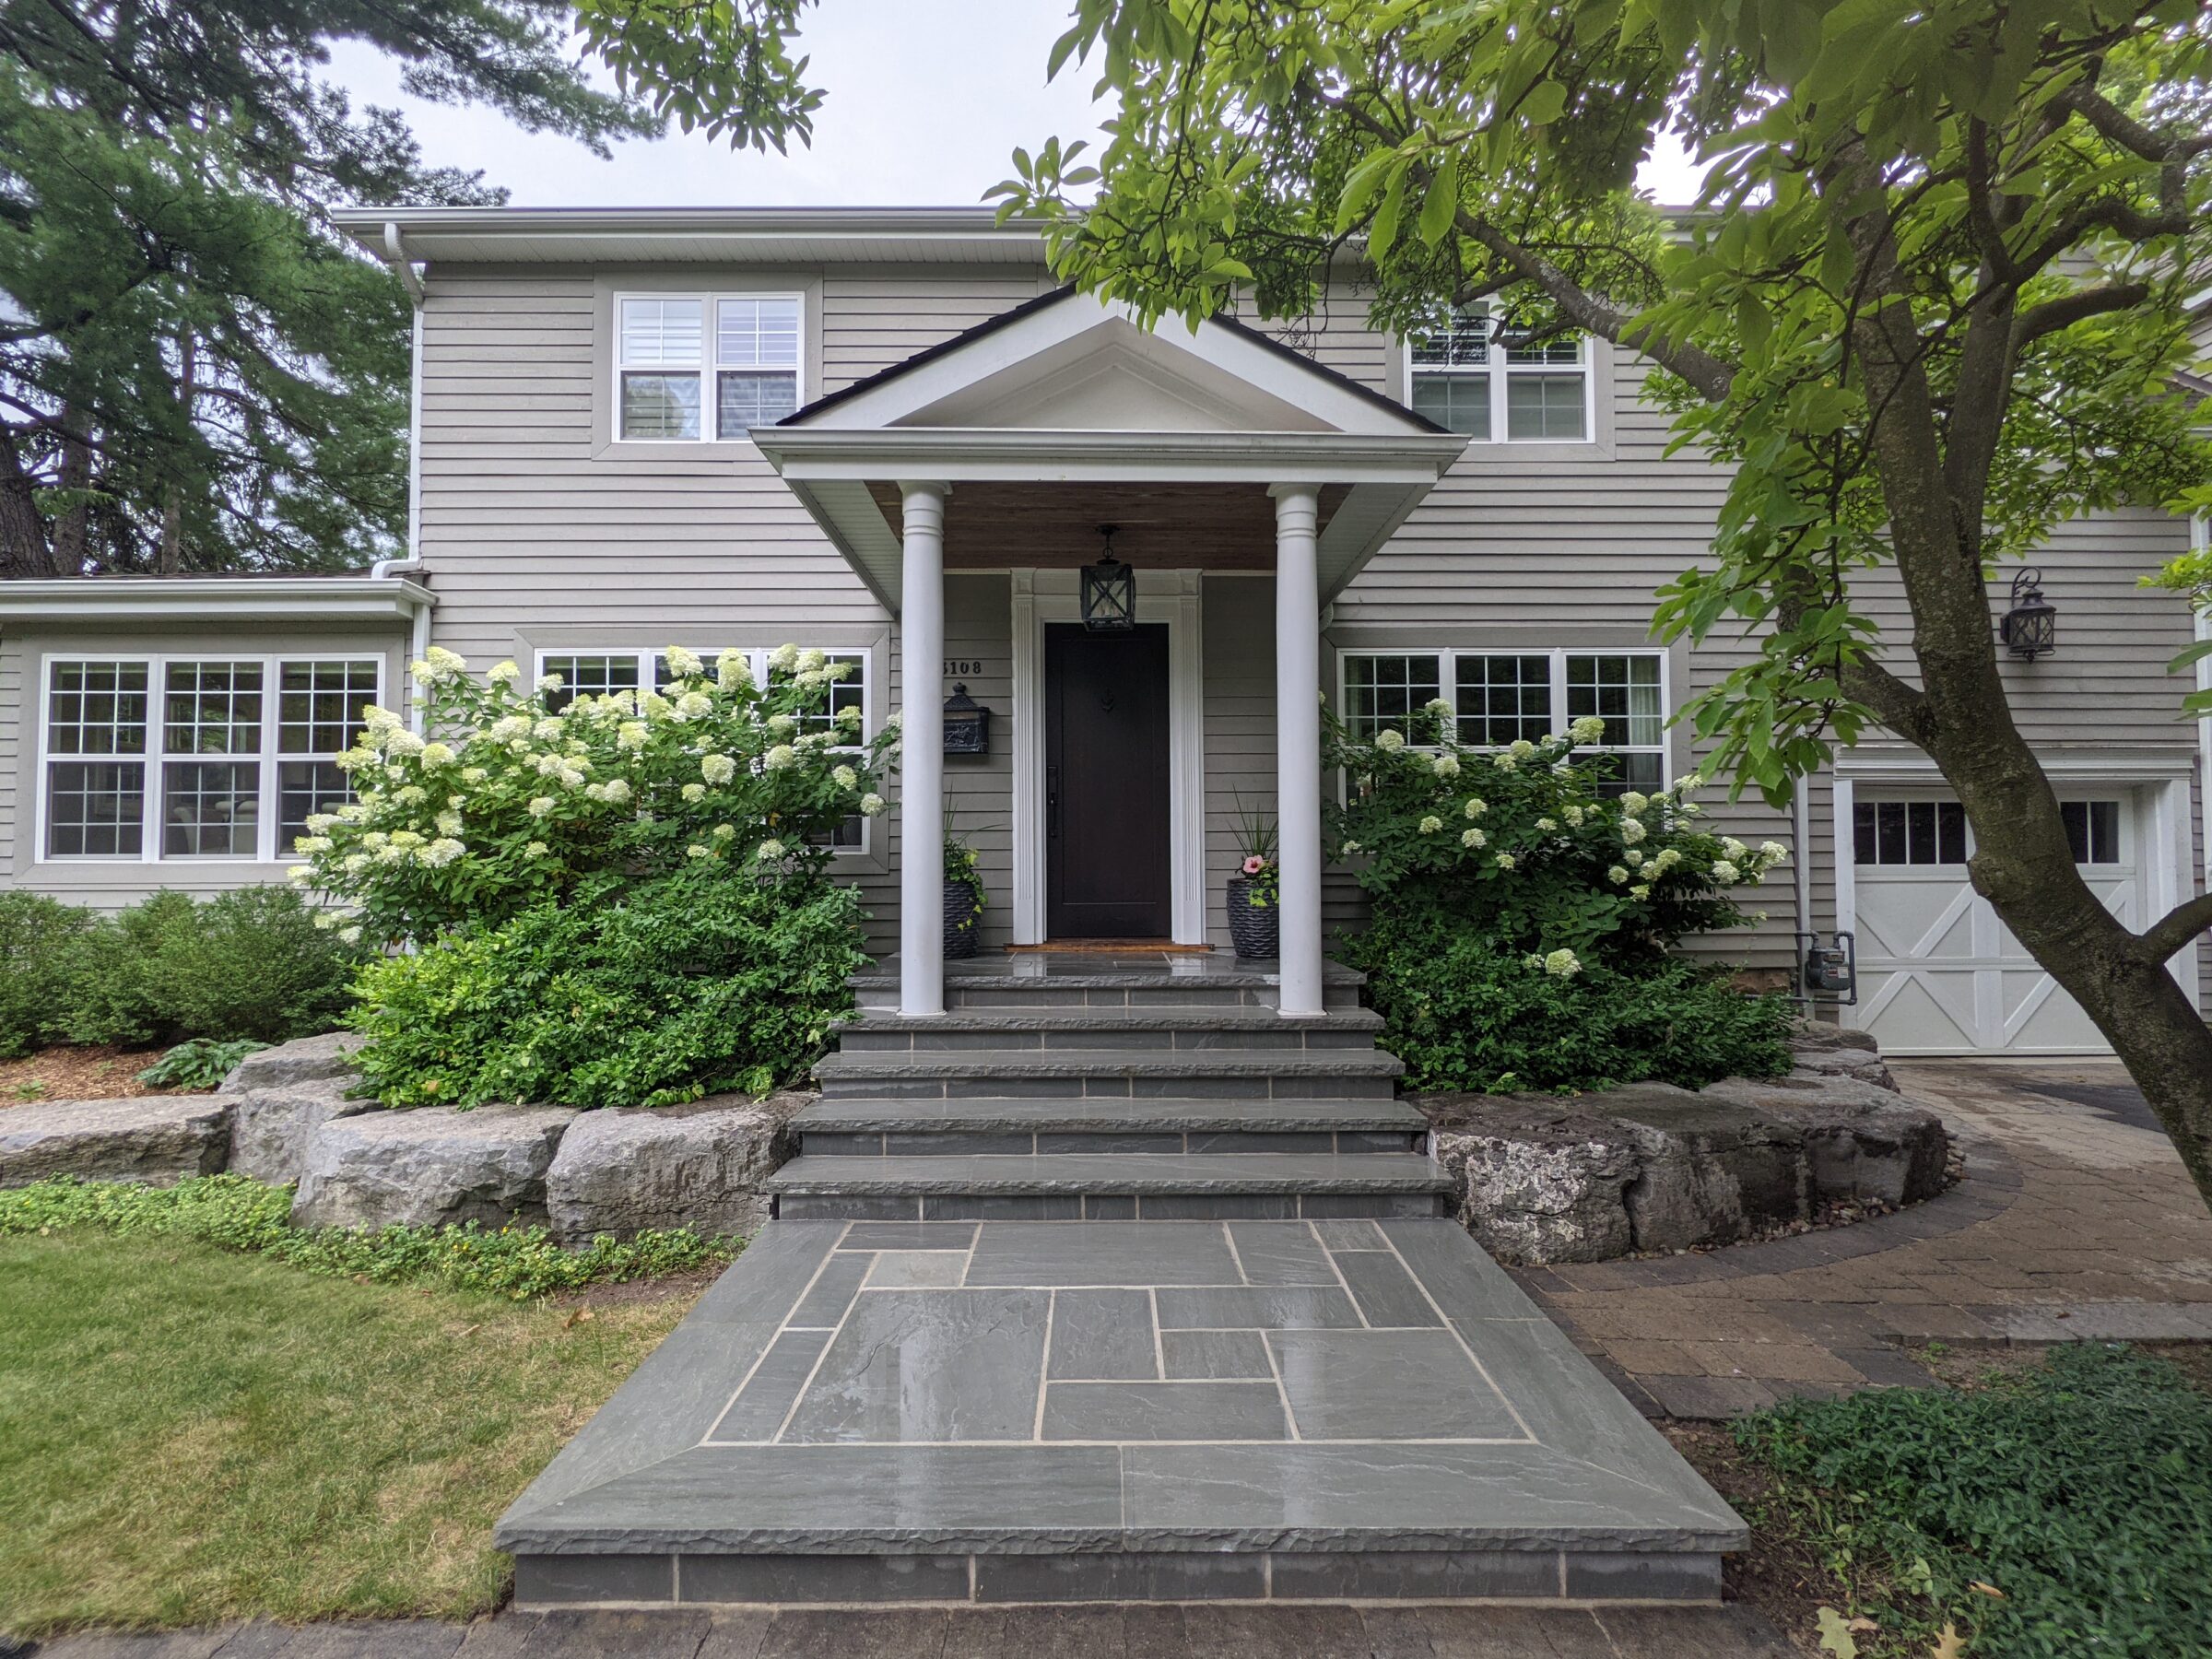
[
  {"x": 327, "y": 1058},
  {"x": 1655, "y": 1168},
  {"x": 158, "y": 1139},
  {"x": 271, "y": 1128},
  {"x": 429, "y": 1166},
  {"x": 699, "y": 1166}
]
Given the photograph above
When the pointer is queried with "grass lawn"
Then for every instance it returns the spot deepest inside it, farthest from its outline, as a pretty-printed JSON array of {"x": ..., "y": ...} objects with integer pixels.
[{"x": 189, "y": 1434}]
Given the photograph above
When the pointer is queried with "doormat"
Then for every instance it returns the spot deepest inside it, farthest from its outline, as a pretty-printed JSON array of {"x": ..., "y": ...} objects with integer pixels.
[{"x": 1107, "y": 947}]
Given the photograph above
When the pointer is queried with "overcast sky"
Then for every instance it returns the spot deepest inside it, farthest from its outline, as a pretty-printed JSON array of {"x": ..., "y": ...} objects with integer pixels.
[{"x": 925, "y": 101}]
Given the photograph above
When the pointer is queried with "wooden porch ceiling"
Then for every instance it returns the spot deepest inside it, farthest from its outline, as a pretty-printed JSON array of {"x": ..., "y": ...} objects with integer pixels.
[{"x": 1055, "y": 526}]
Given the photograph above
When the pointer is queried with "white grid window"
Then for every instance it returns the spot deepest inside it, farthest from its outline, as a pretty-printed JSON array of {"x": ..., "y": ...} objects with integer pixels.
[
  {"x": 597, "y": 673},
  {"x": 117, "y": 783},
  {"x": 680, "y": 379},
  {"x": 1497, "y": 698},
  {"x": 1476, "y": 374}
]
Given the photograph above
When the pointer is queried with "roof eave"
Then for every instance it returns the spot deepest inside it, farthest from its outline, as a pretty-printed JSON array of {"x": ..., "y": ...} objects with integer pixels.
[{"x": 362, "y": 600}]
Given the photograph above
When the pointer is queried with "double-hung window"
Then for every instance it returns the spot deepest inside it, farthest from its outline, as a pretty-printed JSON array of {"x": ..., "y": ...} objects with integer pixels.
[
  {"x": 595, "y": 673},
  {"x": 1476, "y": 374},
  {"x": 1496, "y": 698},
  {"x": 691, "y": 367},
  {"x": 194, "y": 758}
]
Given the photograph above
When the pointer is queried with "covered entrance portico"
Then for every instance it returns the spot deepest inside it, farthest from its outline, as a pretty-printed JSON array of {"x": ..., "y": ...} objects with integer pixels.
[{"x": 1006, "y": 449}]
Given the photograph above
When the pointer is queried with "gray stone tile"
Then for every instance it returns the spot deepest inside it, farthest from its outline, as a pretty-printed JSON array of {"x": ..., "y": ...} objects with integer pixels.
[
  {"x": 735, "y": 1634},
  {"x": 1163, "y": 1411},
  {"x": 1465, "y": 1282},
  {"x": 1513, "y": 1633},
  {"x": 1214, "y": 1354},
  {"x": 1321, "y": 1207},
  {"x": 1107, "y": 1207},
  {"x": 1162, "y": 1577},
  {"x": 1418, "y": 1575},
  {"x": 1642, "y": 1575},
  {"x": 1039, "y": 1630},
  {"x": 1270, "y": 1307},
  {"x": 768, "y": 1394},
  {"x": 1387, "y": 1385},
  {"x": 1158, "y": 1144},
  {"x": 835, "y": 1144},
  {"x": 1311, "y": 1141},
  {"x": 1001, "y": 1206},
  {"x": 761, "y": 1285},
  {"x": 1265, "y": 1632},
  {"x": 1216, "y": 1207},
  {"x": 934, "y": 1144},
  {"x": 1281, "y": 1253},
  {"x": 909, "y": 1235},
  {"x": 832, "y": 1291},
  {"x": 1309, "y": 1495},
  {"x": 502, "y": 1635},
  {"x": 841, "y": 1207},
  {"x": 1731, "y": 1632},
  {"x": 1395, "y": 1633},
  {"x": 1358, "y": 1140},
  {"x": 1351, "y": 1235},
  {"x": 915, "y": 1269},
  {"x": 660, "y": 1634},
  {"x": 551, "y": 1581},
  {"x": 1385, "y": 1291},
  {"x": 821, "y": 1577},
  {"x": 1103, "y": 1334},
  {"x": 929, "y": 1365},
  {"x": 855, "y": 1633},
  {"x": 1108, "y": 1253}
]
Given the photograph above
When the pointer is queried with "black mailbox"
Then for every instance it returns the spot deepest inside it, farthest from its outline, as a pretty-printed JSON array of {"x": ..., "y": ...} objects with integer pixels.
[{"x": 967, "y": 725}]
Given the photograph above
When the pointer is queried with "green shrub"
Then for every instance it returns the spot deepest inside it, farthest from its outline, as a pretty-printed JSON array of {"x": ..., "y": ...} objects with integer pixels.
[
  {"x": 200, "y": 1064},
  {"x": 38, "y": 942},
  {"x": 249, "y": 965},
  {"x": 237, "y": 1213},
  {"x": 1462, "y": 1016},
  {"x": 510, "y": 804},
  {"x": 2078, "y": 1490},
  {"x": 623, "y": 994}
]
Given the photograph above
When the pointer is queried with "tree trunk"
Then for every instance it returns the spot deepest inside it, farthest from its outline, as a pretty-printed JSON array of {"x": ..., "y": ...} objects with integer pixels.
[
  {"x": 171, "y": 558},
  {"x": 72, "y": 526},
  {"x": 24, "y": 549}
]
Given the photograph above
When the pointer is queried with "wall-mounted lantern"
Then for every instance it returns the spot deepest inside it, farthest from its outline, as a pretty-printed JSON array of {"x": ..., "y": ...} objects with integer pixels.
[
  {"x": 2030, "y": 626},
  {"x": 967, "y": 723},
  {"x": 1109, "y": 591}
]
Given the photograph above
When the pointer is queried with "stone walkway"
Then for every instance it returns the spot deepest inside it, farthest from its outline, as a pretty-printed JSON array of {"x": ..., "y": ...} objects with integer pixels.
[
  {"x": 1093, "y": 1632},
  {"x": 2075, "y": 1221}
]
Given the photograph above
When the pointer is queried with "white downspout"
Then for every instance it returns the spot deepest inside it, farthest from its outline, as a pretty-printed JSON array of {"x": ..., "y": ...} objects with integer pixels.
[
  {"x": 419, "y": 640},
  {"x": 2200, "y": 541},
  {"x": 1800, "y": 869}
]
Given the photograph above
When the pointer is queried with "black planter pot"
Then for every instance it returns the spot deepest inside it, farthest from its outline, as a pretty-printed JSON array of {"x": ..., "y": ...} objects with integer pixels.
[
  {"x": 963, "y": 910},
  {"x": 1256, "y": 929}
]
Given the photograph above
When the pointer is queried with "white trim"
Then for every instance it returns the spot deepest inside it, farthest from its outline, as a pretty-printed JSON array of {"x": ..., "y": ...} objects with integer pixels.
[
  {"x": 268, "y": 793},
  {"x": 2109, "y": 767},
  {"x": 213, "y": 599},
  {"x": 710, "y": 365},
  {"x": 823, "y": 453},
  {"x": 1175, "y": 598},
  {"x": 1497, "y": 371}
]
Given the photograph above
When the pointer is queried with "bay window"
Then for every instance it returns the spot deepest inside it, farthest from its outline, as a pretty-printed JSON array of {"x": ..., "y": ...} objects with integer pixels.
[
  {"x": 692, "y": 367},
  {"x": 1496, "y": 698},
  {"x": 192, "y": 757}
]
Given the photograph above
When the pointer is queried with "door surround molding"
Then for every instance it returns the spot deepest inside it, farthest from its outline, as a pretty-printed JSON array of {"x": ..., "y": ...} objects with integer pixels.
[{"x": 1171, "y": 598}]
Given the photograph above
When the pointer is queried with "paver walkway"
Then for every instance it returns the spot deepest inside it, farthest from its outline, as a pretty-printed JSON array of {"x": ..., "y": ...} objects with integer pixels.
[
  {"x": 2075, "y": 1221},
  {"x": 1093, "y": 1632}
]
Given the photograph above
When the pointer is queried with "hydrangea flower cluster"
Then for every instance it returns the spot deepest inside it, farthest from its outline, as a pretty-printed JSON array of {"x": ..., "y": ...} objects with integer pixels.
[
  {"x": 507, "y": 799},
  {"x": 1549, "y": 858}
]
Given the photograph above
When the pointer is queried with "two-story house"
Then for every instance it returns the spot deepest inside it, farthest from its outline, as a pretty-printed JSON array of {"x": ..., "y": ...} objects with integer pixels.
[{"x": 889, "y": 435}]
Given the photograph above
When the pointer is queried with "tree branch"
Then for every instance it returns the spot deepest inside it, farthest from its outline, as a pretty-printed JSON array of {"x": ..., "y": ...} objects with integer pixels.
[
  {"x": 2125, "y": 130},
  {"x": 2184, "y": 922},
  {"x": 2069, "y": 308}
]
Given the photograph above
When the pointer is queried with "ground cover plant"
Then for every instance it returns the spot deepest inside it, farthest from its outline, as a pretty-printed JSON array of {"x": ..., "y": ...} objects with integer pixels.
[
  {"x": 233, "y": 1212},
  {"x": 618, "y": 900},
  {"x": 2042, "y": 1513},
  {"x": 248, "y": 966},
  {"x": 1524, "y": 909},
  {"x": 197, "y": 1435}
]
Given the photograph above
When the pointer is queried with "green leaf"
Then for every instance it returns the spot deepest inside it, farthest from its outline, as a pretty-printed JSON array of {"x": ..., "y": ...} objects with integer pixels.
[{"x": 1442, "y": 204}]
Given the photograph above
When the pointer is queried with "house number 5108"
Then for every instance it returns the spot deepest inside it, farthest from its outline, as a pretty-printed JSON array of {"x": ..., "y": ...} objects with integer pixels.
[{"x": 959, "y": 666}]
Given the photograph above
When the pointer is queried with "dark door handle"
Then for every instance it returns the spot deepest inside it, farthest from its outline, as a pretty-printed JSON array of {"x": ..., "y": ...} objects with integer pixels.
[{"x": 1051, "y": 803}]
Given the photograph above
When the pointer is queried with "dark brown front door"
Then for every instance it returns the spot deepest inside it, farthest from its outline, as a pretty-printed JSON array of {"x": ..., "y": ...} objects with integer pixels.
[{"x": 1107, "y": 864}]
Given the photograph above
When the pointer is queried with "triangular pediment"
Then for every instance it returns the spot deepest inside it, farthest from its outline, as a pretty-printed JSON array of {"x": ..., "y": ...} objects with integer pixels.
[{"x": 1072, "y": 363}]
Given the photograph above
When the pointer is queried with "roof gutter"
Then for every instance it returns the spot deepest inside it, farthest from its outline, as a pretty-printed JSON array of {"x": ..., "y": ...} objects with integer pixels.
[{"x": 403, "y": 266}]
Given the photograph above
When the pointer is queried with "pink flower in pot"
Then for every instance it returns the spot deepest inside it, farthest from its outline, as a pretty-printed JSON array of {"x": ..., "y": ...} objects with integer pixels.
[{"x": 1255, "y": 865}]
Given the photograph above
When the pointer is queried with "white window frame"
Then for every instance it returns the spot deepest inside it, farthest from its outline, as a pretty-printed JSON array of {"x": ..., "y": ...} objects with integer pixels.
[
  {"x": 1498, "y": 370},
  {"x": 756, "y": 658},
  {"x": 1448, "y": 658},
  {"x": 710, "y": 365},
  {"x": 268, "y": 793}
]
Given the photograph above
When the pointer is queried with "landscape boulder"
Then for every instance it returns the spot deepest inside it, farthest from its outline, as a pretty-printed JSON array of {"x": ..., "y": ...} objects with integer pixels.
[
  {"x": 1537, "y": 1180},
  {"x": 324, "y": 1059},
  {"x": 271, "y": 1128},
  {"x": 430, "y": 1165},
  {"x": 158, "y": 1139},
  {"x": 699, "y": 1166}
]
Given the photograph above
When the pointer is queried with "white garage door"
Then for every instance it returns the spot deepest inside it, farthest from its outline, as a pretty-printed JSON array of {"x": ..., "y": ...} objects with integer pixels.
[{"x": 1938, "y": 973}]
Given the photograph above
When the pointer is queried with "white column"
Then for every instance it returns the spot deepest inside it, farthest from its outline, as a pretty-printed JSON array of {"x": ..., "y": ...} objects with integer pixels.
[
  {"x": 1298, "y": 742},
  {"x": 922, "y": 755}
]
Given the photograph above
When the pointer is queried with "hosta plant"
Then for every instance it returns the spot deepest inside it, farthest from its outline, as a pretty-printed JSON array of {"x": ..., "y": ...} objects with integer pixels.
[{"x": 503, "y": 804}]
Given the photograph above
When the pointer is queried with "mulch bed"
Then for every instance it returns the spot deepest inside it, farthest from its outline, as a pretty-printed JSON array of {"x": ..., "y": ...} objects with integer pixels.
[
  {"x": 98, "y": 1071},
  {"x": 1778, "y": 1574}
]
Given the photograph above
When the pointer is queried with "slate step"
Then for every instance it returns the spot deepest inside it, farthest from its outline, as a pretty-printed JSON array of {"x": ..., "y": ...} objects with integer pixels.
[
  {"x": 1175, "y": 1029},
  {"x": 1108, "y": 1187},
  {"x": 848, "y": 1128},
  {"x": 1026, "y": 1143},
  {"x": 1225, "y": 1074},
  {"x": 1040, "y": 981}
]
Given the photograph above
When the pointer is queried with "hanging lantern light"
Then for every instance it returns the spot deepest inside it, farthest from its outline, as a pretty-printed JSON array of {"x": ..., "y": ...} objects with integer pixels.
[
  {"x": 1109, "y": 591},
  {"x": 2030, "y": 626}
]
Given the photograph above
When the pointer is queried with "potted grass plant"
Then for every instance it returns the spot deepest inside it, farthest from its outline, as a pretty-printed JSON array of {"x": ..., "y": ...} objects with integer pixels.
[
  {"x": 964, "y": 899},
  {"x": 1255, "y": 892}
]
